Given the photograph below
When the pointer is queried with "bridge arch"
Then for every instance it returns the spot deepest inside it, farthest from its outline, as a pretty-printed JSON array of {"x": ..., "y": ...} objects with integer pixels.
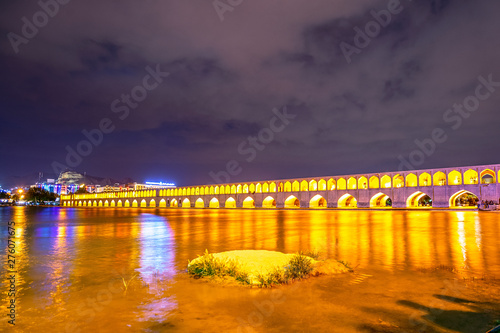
[
  {"x": 186, "y": 203},
  {"x": 113, "y": 203},
  {"x": 362, "y": 183},
  {"x": 471, "y": 177},
  {"x": 199, "y": 203},
  {"x": 347, "y": 201},
  {"x": 106, "y": 203},
  {"x": 292, "y": 202},
  {"x": 439, "y": 179},
  {"x": 351, "y": 183},
  {"x": 230, "y": 203},
  {"x": 419, "y": 199},
  {"x": 119, "y": 203},
  {"x": 269, "y": 202},
  {"x": 143, "y": 203},
  {"x": 385, "y": 182},
  {"x": 288, "y": 187},
  {"x": 174, "y": 203},
  {"x": 322, "y": 185},
  {"x": 380, "y": 200},
  {"x": 488, "y": 177},
  {"x": 295, "y": 186},
  {"x": 249, "y": 202},
  {"x": 313, "y": 185},
  {"x": 214, "y": 203},
  {"x": 455, "y": 178},
  {"x": 463, "y": 199},
  {"x": 341, "y": 184},
  {"x": 424, "y": 179},
  {"x": 374, "y": 182},
  {"x": 100, "y": 203},
  {"x": 304, "y": 185},
  {"x": 331, "y": 185},
  {"x": 411, "y": 180},
  {"x": 152, "y": 203},
  {"x": 398, "y": 181},
  {"x": 127, "y": 203},
  {"x": 317, "y": 202},
  {"x": 163, "y": 203}
]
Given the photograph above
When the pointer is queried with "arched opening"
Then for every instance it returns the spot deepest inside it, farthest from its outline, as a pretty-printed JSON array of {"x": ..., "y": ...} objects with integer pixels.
[
  {"x": 79, "y": 203},
  {"x": 258, "y": 188},
  {"x": 214, "y": 203},
  {"x": 288, "y": 187},
  {"x": 186, "y": 203},
  {"x": 313, "y": 185},
  {"x": 249, "y": 203},
  {"x": 119, "y": 203},
  {"x": 341, "y": 184},
  {"x": 163, "y": 203},
  {"x": 113, "y": 203},
  {"x": 322, "y": 185},
  {"x": 174, "y": 203},
  {"x": 134, "y": 204},
  {"x": 143, "y": 203},
  {"x": 488, "y": 177},
  {"x": 380, "y": 200},
  {"x": 351, "y": 183},
  {"x": 199, "y": 203},
  {"x": 419, "y": 200},
  {"x": 347, "y": 201},
  {"x": 202, "y": 191},
  {"x": 265, "y": 188},
  {"x": 292, "y": 202},
  {"x": 152, "y": 203},
  {"x": 331, "y": 185},
  {"x": 100, "y": 203},
  {"x": 269, "y": 202},
  {"x": 106, "y": 203},
  {"x": 272, "y": 187},
  {"x": 362, "y": 183},
  {"x": 385, "y": 182},
  {"x": 245, "y": 188},
  {"x": 295, "y": 186},
  {"x": 251, "y": 188},
  {"x": 233, "y": 189},
  {"x": 455, "y": 178},
  {"x": 216, "y": 190},
  {"x": 463, "y": 199},
  {"x": 230, "y": 203},
  {"x": 439, "y": 179},
  {"x": 238, "y": 189},
  {"x": 398, "y": 181},
  {"x": 424, "y": 179},
  {"x": 470, "y": 177},
  {"x": 84, "y": 204},
  {"x": 411, "y": 180},
  {"x": 127, "y": 203},
  {"x": 317, "y": 202},
  {"x": 374, "y": 182},
  {"x": 304, "y": 185}
]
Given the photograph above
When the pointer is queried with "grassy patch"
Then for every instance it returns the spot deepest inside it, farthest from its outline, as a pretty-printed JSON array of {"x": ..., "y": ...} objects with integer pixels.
[
  {"x": 209, "y": 266},
  {"x": 299, "y": 266}
]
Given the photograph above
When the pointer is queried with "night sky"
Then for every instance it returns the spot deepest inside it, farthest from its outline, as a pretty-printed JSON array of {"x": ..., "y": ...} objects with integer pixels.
[{"x": 228, "y": 68}]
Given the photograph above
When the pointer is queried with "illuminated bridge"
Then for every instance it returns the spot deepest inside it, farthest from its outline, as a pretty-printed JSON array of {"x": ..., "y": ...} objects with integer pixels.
[{"x": 431, "y": 188}]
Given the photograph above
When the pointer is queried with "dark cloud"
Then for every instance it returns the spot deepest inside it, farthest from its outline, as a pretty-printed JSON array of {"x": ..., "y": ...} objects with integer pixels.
[{"x": 226, "y": 78}]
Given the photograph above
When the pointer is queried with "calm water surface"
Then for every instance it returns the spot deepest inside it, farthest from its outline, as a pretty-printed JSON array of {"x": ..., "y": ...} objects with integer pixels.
[{"x": 124, "y": 270}]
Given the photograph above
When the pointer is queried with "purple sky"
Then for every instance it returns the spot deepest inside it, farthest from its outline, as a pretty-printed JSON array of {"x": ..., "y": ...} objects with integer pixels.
[{"x": 227, "y": 76}]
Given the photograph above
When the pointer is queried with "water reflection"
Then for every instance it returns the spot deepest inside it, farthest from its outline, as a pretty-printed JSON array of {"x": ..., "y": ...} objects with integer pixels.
[{"x": 65, "y": 256}]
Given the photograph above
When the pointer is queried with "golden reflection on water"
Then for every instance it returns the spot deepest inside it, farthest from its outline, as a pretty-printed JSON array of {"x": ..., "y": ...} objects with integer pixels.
[{"x": 65, "y": 255}]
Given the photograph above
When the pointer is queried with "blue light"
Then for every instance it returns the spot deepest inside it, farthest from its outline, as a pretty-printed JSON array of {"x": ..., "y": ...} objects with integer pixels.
[{"x": 160, "y": 184}]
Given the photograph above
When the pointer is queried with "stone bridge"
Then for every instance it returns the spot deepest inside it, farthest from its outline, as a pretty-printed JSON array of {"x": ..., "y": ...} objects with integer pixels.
[{"x": 431, "y": 188}]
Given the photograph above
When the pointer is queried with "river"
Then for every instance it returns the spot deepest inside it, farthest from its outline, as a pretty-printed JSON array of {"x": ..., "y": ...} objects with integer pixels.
[{"x": 124, "y": 270}]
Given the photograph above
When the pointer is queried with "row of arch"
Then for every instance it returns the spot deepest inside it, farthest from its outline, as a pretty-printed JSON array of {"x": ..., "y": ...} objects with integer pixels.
[
  {"x": 469, "y": 177},
  {"x": 461, "y": 198}
]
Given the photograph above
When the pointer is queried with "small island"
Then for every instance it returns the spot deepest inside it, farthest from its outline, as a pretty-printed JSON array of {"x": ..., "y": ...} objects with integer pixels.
[{"x": 262, "y": 268}]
